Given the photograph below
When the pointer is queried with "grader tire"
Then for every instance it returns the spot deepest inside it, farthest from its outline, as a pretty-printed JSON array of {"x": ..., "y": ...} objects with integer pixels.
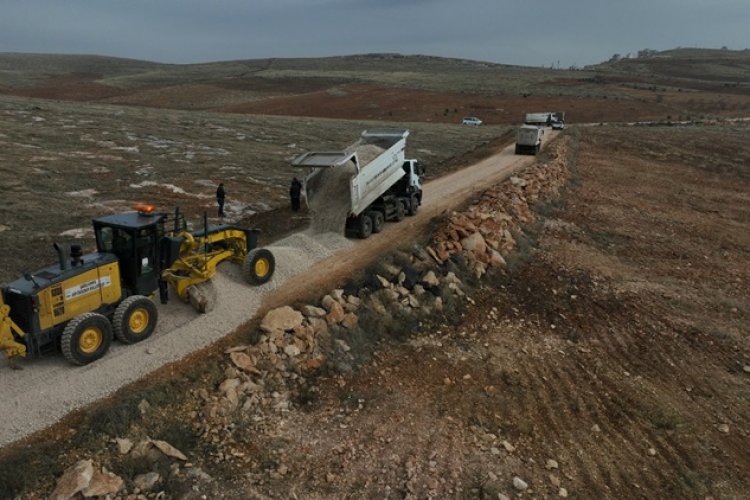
[
  {"x": 86, "y": 338},
  {"x": 134, "y": 319},
  {"x": 259, "y": 266}
]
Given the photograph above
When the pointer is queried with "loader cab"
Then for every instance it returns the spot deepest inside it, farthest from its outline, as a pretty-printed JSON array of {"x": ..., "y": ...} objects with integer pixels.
[{"x": 133, "y": 237}]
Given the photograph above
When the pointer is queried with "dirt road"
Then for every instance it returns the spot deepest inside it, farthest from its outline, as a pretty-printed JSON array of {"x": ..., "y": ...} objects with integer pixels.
[{"x": 47, "y": 389}]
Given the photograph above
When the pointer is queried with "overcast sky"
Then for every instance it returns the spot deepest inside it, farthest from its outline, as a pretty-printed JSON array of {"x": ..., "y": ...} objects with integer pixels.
[{"x": 541, "y": 32}]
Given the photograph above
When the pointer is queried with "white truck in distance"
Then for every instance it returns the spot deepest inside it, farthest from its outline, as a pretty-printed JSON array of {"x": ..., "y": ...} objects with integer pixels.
[
  {"x": 529, "y": 139},
  {"x": 383, "y": 185},
  {"x": 544, "y": 119}
]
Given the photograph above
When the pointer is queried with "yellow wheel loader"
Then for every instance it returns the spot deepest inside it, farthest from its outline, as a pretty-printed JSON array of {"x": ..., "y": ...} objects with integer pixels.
[{"x": 78, "y": 304}]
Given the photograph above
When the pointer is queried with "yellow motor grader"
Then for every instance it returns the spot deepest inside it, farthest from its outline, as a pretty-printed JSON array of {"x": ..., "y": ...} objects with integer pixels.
[{"x": 76, "y": 305}]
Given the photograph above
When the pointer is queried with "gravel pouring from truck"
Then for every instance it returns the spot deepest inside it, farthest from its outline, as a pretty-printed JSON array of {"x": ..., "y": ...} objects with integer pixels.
[{"x": 381, "y": 184}]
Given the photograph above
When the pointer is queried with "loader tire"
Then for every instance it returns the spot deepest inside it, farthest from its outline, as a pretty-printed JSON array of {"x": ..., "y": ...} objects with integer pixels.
[
  {"x": 86, "y": 338},
  {"x": 364, "y": 226},
  {"x": 259, "y": 266},
  {"x": 134, "y": 319},
  {"x": 378, "y": 221}
]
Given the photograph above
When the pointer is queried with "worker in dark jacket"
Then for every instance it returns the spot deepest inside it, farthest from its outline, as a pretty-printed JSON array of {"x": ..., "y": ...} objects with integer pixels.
[
  {"x": 294, "y": 193},
  {"x": 220, "y": 198}
]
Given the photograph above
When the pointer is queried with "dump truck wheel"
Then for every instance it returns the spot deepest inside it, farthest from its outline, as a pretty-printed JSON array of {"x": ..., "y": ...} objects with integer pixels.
[
  {"x": 364, "y": 228},
  {"x": 400, "y": 211},
  {"x": 134, "y": 319},
  {"x": 378, "y": 221},
  {"x": 413, "y": 205},
  {"x": 259, "y": 266},
  {"x": 86, "y": 338}
]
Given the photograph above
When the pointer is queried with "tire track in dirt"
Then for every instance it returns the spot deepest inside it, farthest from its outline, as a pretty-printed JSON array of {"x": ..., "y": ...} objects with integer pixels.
[
  {"x": 622, "y": 358},
  {"x": 621, "y": 430}
]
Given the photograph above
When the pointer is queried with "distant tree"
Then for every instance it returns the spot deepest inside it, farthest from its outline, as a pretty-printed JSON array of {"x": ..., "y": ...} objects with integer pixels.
[
  {"x": 615, "y": 58},
  {"x": 724, "y": 47}
]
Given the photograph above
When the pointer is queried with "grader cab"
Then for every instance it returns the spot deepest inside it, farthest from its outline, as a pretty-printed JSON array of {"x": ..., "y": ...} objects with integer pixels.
[{"x": 77, "y": 304}]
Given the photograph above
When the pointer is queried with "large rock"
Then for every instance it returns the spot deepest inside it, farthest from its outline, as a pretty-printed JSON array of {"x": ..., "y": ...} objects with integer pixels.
[
  {"x": 145, "y": 482},
  {"x": 430, "y": 279},
  {"x": 103, "y": 483},
  {"x": 377, "y": 305},
  {"x": 327, "y": 302},
  {"x": 474, "y": 243},
  {"x": 123, "y": 445},
  {"x": 313, "y": 312},
  {"x": 168, "y": 449},
  {"x": 244, "y": 362},
  {"x": 335, "y": 314},
  {"x": 349, "y": 320},
  {"x": 229, "y": 385},
  {"x": 319, "y": 326},
  {"x": 496, "y": 260},
  {"x": 292, "y": 351},
  {"x": 73, "y": 480},
  {"x": 385, "y": 283},
  {"x": 281, "y": 319},
  {"x": 338, "y": 295}
]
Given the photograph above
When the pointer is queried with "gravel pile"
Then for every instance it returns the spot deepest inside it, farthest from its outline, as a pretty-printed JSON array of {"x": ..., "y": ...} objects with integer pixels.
[{"x": 367, "y": 152}]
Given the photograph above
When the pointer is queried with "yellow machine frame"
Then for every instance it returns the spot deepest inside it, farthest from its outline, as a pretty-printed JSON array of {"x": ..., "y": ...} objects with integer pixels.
[{"x": 200, "y": 256}]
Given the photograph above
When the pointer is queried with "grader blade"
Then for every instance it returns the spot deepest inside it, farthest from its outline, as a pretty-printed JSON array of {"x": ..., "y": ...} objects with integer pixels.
[{"x": 202, "y": 296}]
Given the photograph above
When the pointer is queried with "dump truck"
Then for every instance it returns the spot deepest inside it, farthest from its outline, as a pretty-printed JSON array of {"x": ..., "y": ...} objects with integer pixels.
[
  {"x": 383, "y": 185},
  {"x": 546, "y": 118},
  {"x": 529, "y": 139},
  {"x": 77, "y": 304}
]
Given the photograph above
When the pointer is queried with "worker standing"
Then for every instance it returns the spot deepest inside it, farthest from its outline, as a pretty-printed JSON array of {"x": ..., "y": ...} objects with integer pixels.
[
  {"x": 220, "y": 195},
  {"x": 294, "y": 193}
]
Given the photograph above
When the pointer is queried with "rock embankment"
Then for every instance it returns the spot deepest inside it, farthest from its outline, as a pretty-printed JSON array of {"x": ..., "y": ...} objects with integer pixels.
[{"x": 483, "y": 232}]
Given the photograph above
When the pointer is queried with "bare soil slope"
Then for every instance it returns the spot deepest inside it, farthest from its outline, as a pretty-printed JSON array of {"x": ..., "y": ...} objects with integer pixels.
[{"x": 611, "y": 361}]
